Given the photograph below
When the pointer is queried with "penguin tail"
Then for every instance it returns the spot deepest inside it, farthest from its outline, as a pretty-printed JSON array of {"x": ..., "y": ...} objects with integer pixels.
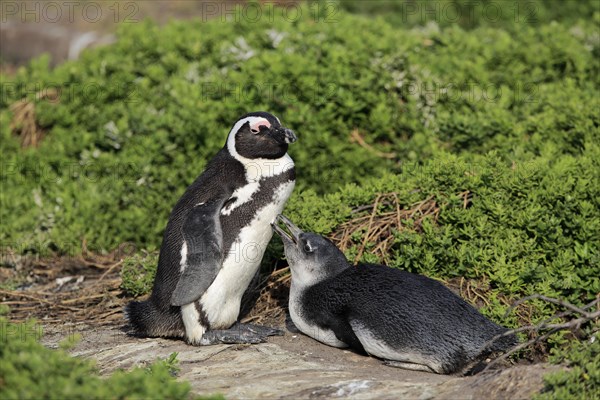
[
  {"x": 147, "y": 320},
  {"x": 500, "y": 345},
  {"x": 503, "y": 343}
]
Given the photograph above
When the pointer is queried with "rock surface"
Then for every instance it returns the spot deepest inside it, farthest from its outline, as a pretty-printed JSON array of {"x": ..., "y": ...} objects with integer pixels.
[{"x": 295, "y": 366}]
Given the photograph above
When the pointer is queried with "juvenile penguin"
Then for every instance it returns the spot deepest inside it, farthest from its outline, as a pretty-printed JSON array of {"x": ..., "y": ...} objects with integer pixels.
[
  {"x": 216, "y": 236},
  {"x": 409, "y": 320}
]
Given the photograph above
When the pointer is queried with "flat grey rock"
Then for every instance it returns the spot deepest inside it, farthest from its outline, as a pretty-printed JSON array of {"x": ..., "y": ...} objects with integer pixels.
[{"x": 296, "y": 366}]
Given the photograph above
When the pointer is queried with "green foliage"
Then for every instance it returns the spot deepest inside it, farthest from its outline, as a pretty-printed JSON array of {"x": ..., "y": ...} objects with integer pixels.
[
  {"x": 135, "y": 122},
  {"x": 138, "y": 273},
  {"x": 171, "y": 364},
  {"x": 506, "y": 109},
  {"x": 70, "y": 341},
  {"x": 472, "y": 14},
  {"x": 28, "y": 370},
  {"x": 581, "y": 380},
  {"x": 4, "y": 309},
  {"x": 530, "y": 228}
]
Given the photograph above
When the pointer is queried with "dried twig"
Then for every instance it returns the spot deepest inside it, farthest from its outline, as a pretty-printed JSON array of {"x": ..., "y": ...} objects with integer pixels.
[
  {"x": 543, "y": 325},
  {"x": 558, "y": 302},
  {"x": 356, "y": 137},
  {"x": 377, "y": 227},
  {"x": 109, "y": 270},
  {"x": 364, "y": 243},
  {"x": 24, "y": 123},
  {"x": 519, "y": 347},
  {"x": 97, "y": 299}
]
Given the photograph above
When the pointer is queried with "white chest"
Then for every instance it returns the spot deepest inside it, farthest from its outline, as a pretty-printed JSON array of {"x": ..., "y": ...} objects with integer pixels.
[{"x": 221, "y": 301}]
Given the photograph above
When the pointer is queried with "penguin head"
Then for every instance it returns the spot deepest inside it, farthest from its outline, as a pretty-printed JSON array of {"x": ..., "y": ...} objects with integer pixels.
[
  {"x": 312, "y": 258},
  {"x": 259, "y": 135}
]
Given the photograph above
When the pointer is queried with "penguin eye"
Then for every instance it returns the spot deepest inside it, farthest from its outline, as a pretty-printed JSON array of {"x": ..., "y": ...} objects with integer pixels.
[
  {"x": 307, "y": 247},
  {"x": 257, "y": 130}
]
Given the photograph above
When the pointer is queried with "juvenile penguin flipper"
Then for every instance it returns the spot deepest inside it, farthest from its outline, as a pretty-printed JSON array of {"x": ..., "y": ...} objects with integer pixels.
[
  {"x": 201, "y": 252},
  {"x": 343, "y": 331},
  {"x": 333, "y": 315}
]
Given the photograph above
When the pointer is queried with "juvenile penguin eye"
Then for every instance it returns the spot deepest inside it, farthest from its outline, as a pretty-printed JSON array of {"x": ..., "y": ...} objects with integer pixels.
[{"x": 308, "y": 248}]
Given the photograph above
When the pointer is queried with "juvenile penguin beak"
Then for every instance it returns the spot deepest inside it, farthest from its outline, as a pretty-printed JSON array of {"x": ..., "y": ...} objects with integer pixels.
[{"x": 294, "y": 230}]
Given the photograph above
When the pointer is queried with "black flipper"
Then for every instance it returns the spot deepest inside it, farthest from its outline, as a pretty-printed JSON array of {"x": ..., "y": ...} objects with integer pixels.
[
  {"x": 203, "y": 237},
  {"x": 343, "y": 331},
  {"x": 331, "y": 313}
]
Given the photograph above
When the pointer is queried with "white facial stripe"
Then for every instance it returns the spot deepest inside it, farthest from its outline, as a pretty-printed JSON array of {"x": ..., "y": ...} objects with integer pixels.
[
  {"x": 238, "y": 125},
  {"x": 305, "y": 272},
  {"x": 257, "y": 168},
  {"x": 255, "y": 126}
]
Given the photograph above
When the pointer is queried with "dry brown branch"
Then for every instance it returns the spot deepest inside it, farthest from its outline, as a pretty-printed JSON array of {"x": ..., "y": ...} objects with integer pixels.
[
  {"x": 481, "y": 297},
  {"x": 21, "y": 294},
  {"x": 355, "y": 137},
  {"x": 98, "y": 298},
  {"x": 35, "y": 299},
  {"x": 518, "y": 348},
  {"x": 544, "y": 325},
  {"x": 385, "y": 216},
  {"x": 109, "y": 270},
  {"x": 558, "y": 302},
  {"x": 272, "y": 302},
  {"x": 24, "y": 124},
  {"x": 368, "y": 233},
  {"x": 82, "y": 298}
]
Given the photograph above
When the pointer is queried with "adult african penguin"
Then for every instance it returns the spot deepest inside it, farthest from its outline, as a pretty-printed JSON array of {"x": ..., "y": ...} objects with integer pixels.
[
  {"x": 216, "y": 236},
  {"x": 409, "y": 320}
]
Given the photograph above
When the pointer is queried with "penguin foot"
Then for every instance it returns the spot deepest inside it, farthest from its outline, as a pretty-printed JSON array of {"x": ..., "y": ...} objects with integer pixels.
[
  {"x": 257, "y": 329},
  {"x": 239, "y": 334},
  {"x": 290, "y": 326},
  {"x": 230, "y": 337}
]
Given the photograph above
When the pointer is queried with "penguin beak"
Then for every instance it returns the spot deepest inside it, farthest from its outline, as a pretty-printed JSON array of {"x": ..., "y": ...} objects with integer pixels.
[
  {"x": 294, "y": 230},
  {"x": 284, "y": 135},
  {"x": 289, "y": 135}
]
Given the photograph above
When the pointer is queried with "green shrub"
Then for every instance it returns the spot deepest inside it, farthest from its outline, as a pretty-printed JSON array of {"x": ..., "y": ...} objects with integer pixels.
[
  {"x": 471, "y": 14},
  {"x": 29, "y": 370},
  {"x": 135, "y": 122},
  {"x": 138, "y": 273},
  {"x": 506, "y": 110},
  {"x": 530, "y": 228},
  {"x": 581, "y": 380}
]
